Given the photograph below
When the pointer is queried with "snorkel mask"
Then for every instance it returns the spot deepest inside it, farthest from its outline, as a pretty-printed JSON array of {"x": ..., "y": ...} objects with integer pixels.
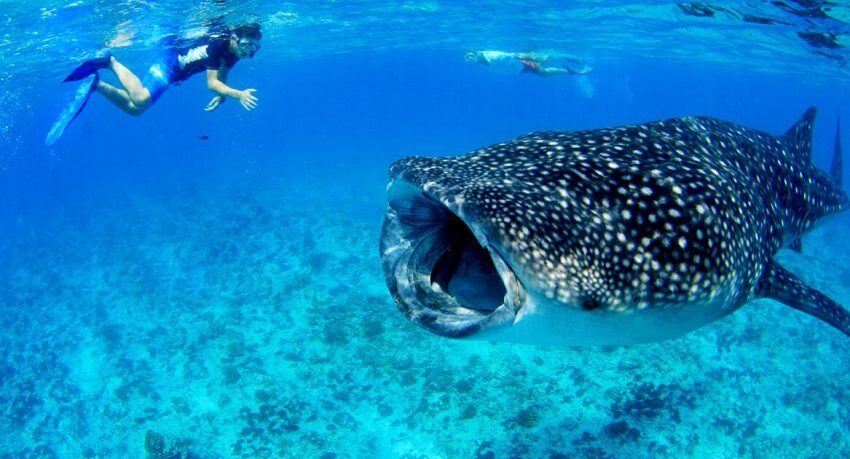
[{"x": 247, "y": 46}]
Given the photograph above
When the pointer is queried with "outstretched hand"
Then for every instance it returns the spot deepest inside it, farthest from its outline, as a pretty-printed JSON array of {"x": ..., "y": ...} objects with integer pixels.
[
  {"x": 247, "y": 99},
  {"x": 214, "y": 103}
]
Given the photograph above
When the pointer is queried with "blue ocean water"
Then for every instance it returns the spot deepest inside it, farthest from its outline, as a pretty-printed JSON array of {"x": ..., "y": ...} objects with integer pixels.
[{"x": 192, "y": 284}]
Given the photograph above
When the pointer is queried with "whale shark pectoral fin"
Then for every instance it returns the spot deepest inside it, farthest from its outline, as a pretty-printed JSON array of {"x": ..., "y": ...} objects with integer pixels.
[{"x": 781, "y": 285}]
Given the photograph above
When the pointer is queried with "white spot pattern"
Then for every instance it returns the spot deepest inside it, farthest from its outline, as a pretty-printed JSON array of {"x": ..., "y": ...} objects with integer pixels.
[{"x": 653, "y": 215}]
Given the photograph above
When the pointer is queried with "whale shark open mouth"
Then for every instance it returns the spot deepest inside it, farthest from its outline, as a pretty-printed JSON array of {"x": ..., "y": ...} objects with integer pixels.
[{"x": 442, "y": 271}]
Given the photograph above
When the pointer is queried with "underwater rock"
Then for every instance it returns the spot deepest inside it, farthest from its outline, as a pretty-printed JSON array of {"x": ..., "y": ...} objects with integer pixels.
[
  {"x": 403, "y": 362},
  {"x": 469, "y": 412},
  {"x": 762, "y": 20},
  {"x": 808, "y": 9},
  {"x": 408, "y": 378},
  {"x": 621, "y": 431},
  {"x": 465, "y": 385},
  {"x": 527, "y": 417},
  {"x": 372, "y": 327},
  {"x": 648, "y": 401},
  {"x": 159, "y": 447},
  {"x": 385, "y": 410},
  {"x": 821, "y": 39},
  {"x": 154, "y": 445},
  {"x": 697, "y": 9}
]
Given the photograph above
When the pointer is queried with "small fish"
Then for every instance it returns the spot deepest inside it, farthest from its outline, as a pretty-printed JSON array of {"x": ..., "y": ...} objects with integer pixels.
[
  {"x": 609, "y": 236},
  {"x": 203, "y": 137}
]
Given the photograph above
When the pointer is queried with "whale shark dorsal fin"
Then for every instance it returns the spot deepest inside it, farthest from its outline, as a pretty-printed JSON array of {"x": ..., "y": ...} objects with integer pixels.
[
  {"x": 836, "y": 170},
  {"x": 781, "y": 285},
  {"x": 798, "y": 139}
]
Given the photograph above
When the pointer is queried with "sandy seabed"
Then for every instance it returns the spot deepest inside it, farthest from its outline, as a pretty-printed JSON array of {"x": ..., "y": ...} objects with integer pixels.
[{"x": 257, "y": 324}]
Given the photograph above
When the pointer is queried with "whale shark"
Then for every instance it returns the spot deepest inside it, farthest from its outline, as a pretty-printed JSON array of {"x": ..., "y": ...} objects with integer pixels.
[
  {"x": 836, "y": 169},
  {"x": 610, "y": 236}
]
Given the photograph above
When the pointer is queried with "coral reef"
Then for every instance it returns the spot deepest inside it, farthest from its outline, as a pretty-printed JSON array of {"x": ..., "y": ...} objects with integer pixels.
[{"x": 243, "y": 325}]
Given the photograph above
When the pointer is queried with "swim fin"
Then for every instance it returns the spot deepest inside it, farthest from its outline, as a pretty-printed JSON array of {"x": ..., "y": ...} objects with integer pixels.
[
  {"x": 88, "y": 67},
  {"x": 73, "y": 109}
]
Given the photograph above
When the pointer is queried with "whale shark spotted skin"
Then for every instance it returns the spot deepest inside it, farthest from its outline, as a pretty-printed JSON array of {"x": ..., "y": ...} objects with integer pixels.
[{"x": 621, "y": 235}]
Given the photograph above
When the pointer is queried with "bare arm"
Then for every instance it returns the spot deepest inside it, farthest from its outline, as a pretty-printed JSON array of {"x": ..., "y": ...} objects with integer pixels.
[
  {"x": 217, "y": 99},
  {"x": 217, "y": 83}
]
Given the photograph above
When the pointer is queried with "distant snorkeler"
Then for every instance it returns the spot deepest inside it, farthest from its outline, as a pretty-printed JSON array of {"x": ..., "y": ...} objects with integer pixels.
[
  {"x": 534, "y": 63},
  {"x": 215, "y": 53}
]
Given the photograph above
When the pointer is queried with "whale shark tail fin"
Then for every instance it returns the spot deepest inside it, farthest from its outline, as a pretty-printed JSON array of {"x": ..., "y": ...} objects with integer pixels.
[
  {"x": 825, "y": 192},
  {"x": 781, "y": 285},
  {"x": 836, "y": 170}
]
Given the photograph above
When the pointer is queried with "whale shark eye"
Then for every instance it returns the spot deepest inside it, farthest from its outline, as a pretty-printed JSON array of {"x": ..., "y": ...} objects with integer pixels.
[{"x": 589, "y": 304}]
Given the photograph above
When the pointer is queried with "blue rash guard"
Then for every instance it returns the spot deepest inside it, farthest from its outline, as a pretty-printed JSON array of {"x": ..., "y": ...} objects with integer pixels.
[{"x": 178, "y": 64}]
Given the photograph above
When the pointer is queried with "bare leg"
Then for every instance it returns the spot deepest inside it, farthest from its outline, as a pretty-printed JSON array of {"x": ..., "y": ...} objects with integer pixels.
[
  {"x": 583, "y": 70},
  {"x": 119, "y": 97},
  {"x": 549, "y": 71},
  {"x": 138, "y": 96}
]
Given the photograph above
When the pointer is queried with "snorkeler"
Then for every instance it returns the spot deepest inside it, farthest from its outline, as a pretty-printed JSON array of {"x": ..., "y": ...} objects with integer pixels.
[
  {"x": 215, "y": 54},
  {"x": 526, "y": 63}
]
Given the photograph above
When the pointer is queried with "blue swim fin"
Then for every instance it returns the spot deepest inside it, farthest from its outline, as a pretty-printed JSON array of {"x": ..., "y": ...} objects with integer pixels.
[
  {"x": 73, "y": 109},
  {"x": 88, "y": 67}
]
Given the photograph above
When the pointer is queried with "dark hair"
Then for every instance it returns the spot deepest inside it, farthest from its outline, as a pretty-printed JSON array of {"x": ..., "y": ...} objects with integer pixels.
[{"x": 251, "y": 30}]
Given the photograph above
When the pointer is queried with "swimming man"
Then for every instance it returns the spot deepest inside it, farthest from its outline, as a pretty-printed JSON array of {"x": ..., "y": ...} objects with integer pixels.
[
  {"x": 214, "y": 54},
  {"x": 526, "y": 63}
]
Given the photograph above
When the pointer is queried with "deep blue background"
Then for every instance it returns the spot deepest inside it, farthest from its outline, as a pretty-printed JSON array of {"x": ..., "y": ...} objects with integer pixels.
[{"x": 346, "y": 117}]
